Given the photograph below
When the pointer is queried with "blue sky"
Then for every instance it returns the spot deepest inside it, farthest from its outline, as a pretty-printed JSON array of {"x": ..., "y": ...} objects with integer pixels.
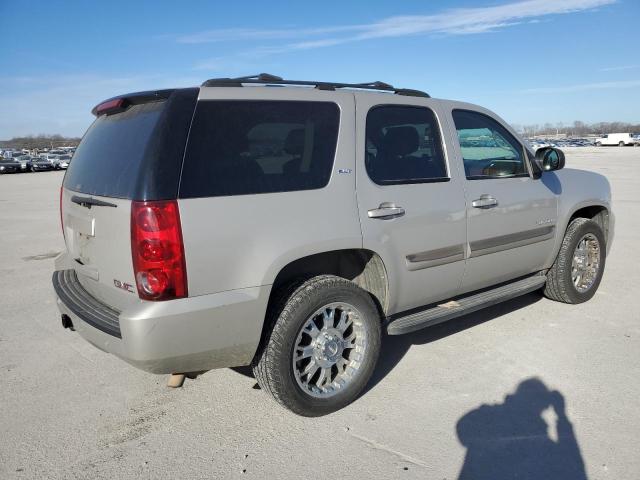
[{"x": 531, "y": 61}]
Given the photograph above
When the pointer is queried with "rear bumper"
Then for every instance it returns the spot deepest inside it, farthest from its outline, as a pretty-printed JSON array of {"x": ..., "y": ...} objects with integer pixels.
[{"x": 185, "y": 335}]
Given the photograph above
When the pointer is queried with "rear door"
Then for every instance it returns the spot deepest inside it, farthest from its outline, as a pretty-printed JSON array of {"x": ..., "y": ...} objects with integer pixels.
[
  {"x": 511, "y": 216},
  {"x": 410, "y": 199}
]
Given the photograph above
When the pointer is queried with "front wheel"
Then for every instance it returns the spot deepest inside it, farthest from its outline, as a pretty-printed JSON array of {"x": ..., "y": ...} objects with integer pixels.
[
  {"x": 321, "y": 347},
  {"x": 577, "y": 271}
]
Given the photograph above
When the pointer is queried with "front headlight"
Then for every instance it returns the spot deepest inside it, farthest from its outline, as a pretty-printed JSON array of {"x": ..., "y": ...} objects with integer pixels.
[
  {"x": 1, "y": 168},
  {"x": 23, "y": 166}
]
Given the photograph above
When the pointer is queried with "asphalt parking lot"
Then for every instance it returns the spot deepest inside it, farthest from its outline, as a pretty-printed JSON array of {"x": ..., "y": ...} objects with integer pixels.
[{"x": 68, "y": 410}]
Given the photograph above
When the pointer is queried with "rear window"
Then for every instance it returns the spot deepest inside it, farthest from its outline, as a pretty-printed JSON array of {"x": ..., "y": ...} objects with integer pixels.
[
  {"x": 108, "y": 159},
  {"x": 250, "y": 147}
]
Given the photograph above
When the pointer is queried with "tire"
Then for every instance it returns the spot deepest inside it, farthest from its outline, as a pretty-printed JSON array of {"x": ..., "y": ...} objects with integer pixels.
[
  {"x": 621, "y": 144},
  {"x": 560, "y": 284},
  {"x": 598, "y": 144},
  {"x": 287, "y": 326}
]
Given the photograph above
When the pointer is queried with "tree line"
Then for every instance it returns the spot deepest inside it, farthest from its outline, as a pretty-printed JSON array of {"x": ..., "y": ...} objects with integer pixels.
[
  {"x": 40, "y": 142},
  {"x": 577, "y": 128}
]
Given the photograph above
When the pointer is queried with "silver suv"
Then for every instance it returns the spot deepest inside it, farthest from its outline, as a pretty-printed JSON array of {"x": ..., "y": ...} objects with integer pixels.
[{"x": 286, "y": 225}]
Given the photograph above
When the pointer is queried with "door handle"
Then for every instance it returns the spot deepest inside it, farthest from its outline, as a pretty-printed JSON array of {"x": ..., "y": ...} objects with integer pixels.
[
  {"x": 386, "y": 211},
  {"x": 485, "y": 201}
]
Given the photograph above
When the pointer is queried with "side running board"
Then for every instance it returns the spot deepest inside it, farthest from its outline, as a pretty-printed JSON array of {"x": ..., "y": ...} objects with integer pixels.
[{"x": 461, "y": 306}]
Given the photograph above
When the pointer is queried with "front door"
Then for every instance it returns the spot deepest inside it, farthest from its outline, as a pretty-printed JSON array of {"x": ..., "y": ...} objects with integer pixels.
[
  {"x": 511, "y": 216},
  {"x": 411, "y": 203}
]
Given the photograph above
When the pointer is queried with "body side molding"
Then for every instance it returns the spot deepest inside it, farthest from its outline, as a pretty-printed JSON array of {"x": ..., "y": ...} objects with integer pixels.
[
  {"x": 434, "y": 258},
  {"x": 512, "y": 240}
]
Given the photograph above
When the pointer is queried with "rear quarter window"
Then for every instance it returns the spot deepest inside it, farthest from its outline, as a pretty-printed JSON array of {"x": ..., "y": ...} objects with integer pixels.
[{"x": 242, "y": 147}]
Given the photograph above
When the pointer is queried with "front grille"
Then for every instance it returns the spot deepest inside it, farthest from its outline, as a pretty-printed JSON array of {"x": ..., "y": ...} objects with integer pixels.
[{"x": 83, "y": 304}]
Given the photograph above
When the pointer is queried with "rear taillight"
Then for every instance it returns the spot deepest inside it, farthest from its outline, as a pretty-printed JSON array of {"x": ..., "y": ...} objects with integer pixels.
[{"x": 157, "y": 250}]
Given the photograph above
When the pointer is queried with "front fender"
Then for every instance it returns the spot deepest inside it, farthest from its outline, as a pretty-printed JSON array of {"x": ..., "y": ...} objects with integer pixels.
[{"x": 579, "y": 189}]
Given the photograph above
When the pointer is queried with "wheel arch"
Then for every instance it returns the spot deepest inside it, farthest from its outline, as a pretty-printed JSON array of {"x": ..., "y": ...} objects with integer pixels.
[
  {"x": 363, "y": 267},
  {"x": 597, "y": 212}
]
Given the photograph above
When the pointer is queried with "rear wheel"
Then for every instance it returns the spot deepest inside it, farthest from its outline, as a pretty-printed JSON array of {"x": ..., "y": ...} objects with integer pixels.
[
  {"x": 577, "y": 271},
  {"x": 598, "y": 144},
  {"x": 621, "y": 144},
  {"x": 322, "y": 346}
]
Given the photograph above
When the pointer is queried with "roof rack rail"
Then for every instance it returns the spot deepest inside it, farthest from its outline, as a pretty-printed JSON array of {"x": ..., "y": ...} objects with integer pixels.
[{"x": 268, "y": 79}]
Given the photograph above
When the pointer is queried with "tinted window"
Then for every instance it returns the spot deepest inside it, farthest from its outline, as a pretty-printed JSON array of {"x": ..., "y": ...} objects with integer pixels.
[
  {"x": 488, "y": 149},
  {"x": 403, "y": 146},
  {"x": 107, "y": 161},
  {"x": 248, "y": 147}
]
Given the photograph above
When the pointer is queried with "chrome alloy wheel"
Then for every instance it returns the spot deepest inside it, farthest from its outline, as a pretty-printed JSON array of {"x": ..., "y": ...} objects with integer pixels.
[
  {"x": 586, "y": 263},
  {"x": 329, "y": 350}
]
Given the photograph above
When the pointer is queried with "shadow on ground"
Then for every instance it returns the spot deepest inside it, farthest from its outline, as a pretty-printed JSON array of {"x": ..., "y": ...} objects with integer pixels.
[{"x": 512, "y": 440}]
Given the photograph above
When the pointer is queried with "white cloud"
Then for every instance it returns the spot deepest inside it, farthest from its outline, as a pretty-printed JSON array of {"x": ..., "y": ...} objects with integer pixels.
[
  {"x": 461, "y": 21},
  {"x": 585, "y": 87},
  {"x": 62, "y": 104},
  {"x": 617, "y": 69},
  {"x": 234, "y": 34}
]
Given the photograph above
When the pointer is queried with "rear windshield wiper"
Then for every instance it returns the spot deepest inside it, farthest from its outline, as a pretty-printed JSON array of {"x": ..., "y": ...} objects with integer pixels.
[{"x": 90, "y": 202}]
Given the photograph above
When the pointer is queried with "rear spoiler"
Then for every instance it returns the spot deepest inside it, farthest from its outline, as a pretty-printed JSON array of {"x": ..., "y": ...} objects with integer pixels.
[{"x": 122, "y": 102}]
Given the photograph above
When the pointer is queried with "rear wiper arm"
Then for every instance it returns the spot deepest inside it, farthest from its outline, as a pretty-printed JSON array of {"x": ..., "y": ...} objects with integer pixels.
[{"x": 90, "y": 202}]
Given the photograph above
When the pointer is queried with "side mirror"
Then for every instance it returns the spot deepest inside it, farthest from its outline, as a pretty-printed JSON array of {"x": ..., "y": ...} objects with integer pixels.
[{"x": 549, "y": 159}]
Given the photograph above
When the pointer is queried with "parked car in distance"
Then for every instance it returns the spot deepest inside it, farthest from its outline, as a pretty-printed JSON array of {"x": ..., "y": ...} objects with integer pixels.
[
  {"x": 250, "y": 244},
  {"x": 53, "y": 158},
  {"x": 619, "y": 139},
  {"x": 11, "y": 153},
  {"x": 25, "y": 162},
  {"x": 39, "y": 164},
  {"x": 10, "y": 165},
  {"x": 62, "y": 162}
]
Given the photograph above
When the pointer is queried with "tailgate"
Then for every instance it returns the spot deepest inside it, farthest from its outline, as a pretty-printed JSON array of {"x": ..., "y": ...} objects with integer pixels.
[
  {"x": 133, "y": 151},
  {"x": 98, "y": 240}
]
